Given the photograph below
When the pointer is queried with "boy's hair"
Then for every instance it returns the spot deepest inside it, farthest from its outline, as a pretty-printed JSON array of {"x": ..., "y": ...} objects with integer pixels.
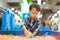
[{"x": 34, "y": 5}]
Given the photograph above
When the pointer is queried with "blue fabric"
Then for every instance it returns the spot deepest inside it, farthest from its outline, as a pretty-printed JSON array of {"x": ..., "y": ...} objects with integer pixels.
[
  {"x": 21, "y": 33},
  {"x": 44, "y": 28}
]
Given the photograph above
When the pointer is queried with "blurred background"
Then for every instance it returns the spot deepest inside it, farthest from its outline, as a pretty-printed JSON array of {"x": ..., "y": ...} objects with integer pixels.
[{"x": 13, "y": 13}]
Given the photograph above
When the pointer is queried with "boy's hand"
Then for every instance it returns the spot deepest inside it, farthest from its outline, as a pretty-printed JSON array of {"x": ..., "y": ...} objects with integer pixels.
[{"x": 28, "y": 34}]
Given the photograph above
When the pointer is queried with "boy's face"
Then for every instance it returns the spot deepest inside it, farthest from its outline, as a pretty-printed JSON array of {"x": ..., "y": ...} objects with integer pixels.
[{"x": 33, "y": 13}]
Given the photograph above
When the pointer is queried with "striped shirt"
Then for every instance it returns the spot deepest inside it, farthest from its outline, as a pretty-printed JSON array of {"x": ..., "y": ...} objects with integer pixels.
[{"x": 32, "y": 25}]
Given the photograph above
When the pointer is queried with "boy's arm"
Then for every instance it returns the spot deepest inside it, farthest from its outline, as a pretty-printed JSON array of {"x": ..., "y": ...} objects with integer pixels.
[
  {"x": 25, "y": 30},
  {"x": 35, "y": 32},
  {"x": 24, "y": 27}
]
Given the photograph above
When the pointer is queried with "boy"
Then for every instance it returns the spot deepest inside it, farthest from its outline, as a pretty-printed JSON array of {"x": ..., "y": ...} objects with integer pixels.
[{"x": 31, "y": 24}]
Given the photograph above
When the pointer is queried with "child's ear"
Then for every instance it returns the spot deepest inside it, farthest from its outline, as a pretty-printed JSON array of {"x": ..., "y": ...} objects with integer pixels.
[{"x": 29, "y": 10}]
